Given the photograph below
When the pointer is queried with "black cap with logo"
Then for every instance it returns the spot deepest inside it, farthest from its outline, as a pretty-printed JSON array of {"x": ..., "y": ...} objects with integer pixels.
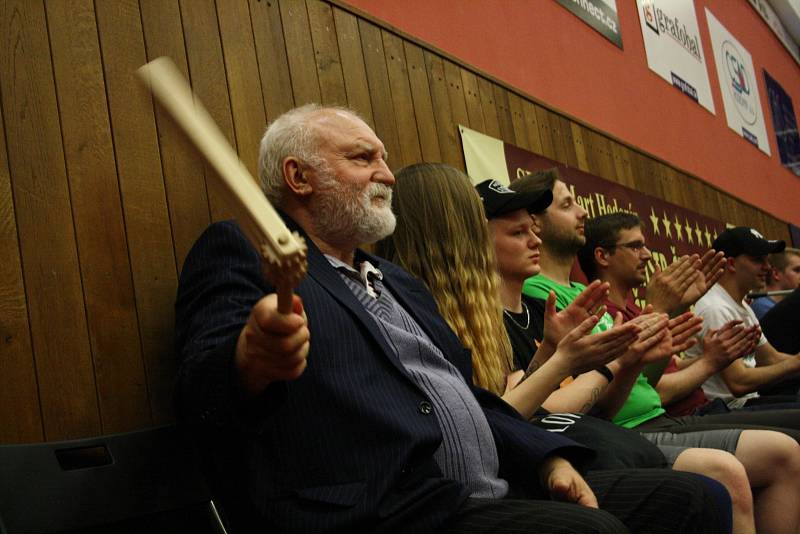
[
  {"x": 499, "y": 199},
  {"x": 742, "y": 240}
]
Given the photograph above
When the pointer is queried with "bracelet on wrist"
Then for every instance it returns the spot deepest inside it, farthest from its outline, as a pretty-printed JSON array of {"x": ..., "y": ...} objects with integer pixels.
[{"x": 606, "y": 372}]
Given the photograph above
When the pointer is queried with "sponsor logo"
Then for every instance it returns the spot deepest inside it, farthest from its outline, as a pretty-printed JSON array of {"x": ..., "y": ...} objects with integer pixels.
[
  {"x": 497, "y": 187},
  {"x": 685, "y": 87},
  {"x": 740, "y": 83},
  {"x": 662, "y": 23}
]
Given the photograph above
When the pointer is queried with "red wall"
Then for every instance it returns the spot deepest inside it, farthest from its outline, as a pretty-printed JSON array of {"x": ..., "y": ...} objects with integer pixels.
[{"x": 544, "y": 50}]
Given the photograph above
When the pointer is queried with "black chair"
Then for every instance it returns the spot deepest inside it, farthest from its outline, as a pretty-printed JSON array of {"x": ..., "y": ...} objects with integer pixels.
[{"x": 143, "y": 481}]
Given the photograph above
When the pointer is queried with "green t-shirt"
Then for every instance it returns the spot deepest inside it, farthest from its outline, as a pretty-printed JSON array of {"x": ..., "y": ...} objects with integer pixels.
[
  {"x": 539, "y": 287},
  {"x": 643, "y": 402}
]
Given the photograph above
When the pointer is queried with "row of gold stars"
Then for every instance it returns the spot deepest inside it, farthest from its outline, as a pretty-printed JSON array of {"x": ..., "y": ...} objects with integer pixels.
[{"x": 693, "y": 235}]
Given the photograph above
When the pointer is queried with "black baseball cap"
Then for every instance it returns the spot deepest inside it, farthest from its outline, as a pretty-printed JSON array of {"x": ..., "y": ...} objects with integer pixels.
[
  {"x": 498, "y": 199},
  {"x": 743, "y": 240}
]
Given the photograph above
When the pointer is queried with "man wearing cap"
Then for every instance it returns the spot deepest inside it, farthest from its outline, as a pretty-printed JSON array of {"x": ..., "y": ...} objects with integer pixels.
[{"x": 746, "y": 269}]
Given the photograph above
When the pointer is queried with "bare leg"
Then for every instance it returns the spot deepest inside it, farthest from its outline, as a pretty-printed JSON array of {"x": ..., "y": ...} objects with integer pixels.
[
  {"x": 772, "y": 461},
  {"x": 726, "y": 469}
]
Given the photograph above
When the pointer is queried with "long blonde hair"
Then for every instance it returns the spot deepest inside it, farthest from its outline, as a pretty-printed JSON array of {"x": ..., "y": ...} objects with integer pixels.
[{"x": 442, "y": 237}]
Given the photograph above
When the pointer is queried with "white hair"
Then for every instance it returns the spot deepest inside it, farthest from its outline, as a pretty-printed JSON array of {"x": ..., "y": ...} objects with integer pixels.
[{"x": 291, "y": 134}]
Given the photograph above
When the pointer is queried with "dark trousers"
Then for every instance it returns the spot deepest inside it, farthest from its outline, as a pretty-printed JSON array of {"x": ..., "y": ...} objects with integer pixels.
[
  {"x": 778, "y": 420},
  {"x": 641, "y": 500}
]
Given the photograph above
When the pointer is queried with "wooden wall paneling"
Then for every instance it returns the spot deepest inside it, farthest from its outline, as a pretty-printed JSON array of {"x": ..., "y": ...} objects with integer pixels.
[
  {"x": 455, "y": 92},
  {"x": 490, "y": 120},
  {"x": 241, "y": 66},
  {"x": 97, "y": 215},
  {"x": 472, "y": 97},
  {"x": 445, "y": 126},
  {"x": 380, "y": 91},
  {"x": 273, "y": 64},
  {"x": 207, "y": 73},
  {"x": 518, "y": 121},
  {"x": 623, "y": 169},
  {"x": 299, "y": 51},
  {"x": 20, "y": 418},
  {"x": 402, "y": 101},
  {"x": 562, "y": 138},
  {"x": 183, "y": 168},
  {"x": 326, "y": 53},
  {"x": 504, "y": 114},
  {"x": 144, "y": 200},
  {"x": 354, "y": 70},
  {"x": 580, "y": 146},
  {"x": 532, "y": 126},
  {"x": 423, "y": 103},
  {"x": 545, "y": 133},
  {"x": 601, "y": 158},
  {"x": 44, "y": 220}
]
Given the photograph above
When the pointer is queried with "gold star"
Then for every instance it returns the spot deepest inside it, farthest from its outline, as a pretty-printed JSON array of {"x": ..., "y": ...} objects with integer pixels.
[
  {"x": 679, "y": 228},
  {"x": 688, "y": 227},
  {"x": 699, "y": 233},
  {"x": 654, "y": 221},
  {"x": 708, "y": 237},
  {"x": 667, "y": 224},
  {"x": 715, "y": 235}
]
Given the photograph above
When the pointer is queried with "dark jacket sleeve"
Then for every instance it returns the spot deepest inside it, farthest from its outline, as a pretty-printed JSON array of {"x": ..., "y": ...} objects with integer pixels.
[{"x": 220, "y": 282}]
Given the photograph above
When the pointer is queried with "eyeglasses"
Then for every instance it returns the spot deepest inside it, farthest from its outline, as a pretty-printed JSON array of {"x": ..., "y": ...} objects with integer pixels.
[{"x": 635, "y": 246}]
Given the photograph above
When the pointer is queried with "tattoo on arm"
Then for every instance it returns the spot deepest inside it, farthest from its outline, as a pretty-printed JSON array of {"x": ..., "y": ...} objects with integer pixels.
[{"x": 595, "y": 394}]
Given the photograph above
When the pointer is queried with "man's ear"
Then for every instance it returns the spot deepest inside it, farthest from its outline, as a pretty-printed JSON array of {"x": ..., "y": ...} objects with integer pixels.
[
  {"x": 601, "y": 256},
  {"x": 295, "y": 176},
  {"x": 730, "y": 265}
]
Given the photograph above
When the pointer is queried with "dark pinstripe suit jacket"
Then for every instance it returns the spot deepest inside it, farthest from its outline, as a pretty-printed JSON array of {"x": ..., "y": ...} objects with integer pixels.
[{"x": 346, "y": 446}]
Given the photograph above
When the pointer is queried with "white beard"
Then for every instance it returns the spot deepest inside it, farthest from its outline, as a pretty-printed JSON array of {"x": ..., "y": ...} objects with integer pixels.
[{"x": 343, "y": 214}]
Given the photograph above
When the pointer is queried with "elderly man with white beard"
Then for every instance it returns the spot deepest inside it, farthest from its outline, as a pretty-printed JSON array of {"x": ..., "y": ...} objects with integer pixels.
[{"x": 356, "y": 411}]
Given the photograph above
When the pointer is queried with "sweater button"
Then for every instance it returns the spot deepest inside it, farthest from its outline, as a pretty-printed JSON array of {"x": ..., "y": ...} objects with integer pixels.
[{"x": 425, "y": 408}]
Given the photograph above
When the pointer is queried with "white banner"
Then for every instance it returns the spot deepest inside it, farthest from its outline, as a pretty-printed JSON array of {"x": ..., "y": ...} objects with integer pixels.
[
  {"x": 674, "y": 51},
  {"x": 738, "y": 84}
]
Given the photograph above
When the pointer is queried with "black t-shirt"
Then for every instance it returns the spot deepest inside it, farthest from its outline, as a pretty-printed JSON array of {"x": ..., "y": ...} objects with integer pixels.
[
  {"x": 780, "y": 324},
  {"x": 524, "y": 329}
]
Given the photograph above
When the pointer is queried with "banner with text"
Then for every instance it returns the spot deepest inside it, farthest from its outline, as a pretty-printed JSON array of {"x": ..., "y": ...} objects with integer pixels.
[
  {"x": 672, "y": 44},
  {"x": 737, "y": 81},
  {"x": 785, "y": 124},
  {"x": 601, "y": 15},
  {"x": 671, "y": 230}
]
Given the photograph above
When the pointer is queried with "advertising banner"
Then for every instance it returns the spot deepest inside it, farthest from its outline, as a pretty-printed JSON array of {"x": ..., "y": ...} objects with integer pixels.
[
  {"x": 785, "y": 124},
  {"x": 671, "y": 230},
  {"x": 738, "y": 84},
  {"x": 672, "y": 44},
  {"x": 601, "y": 15},
  {"x": 774, "y": 22}
]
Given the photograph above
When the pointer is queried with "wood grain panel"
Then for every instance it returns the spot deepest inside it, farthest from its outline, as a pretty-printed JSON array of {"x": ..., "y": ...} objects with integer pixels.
[
  {"x": 423, "y": 103},
  {"x": 490, "y": 119},
  {"x": 326, "y": 53},
  {"x": 97, "y": 215},
  {"x": 352, "y": 59},
  {"x": 379, "y": 89},
  {"x": 623, "y": 169},
  {"x": 241, "y": 67},
  {"x": 273, "y": 64},
  {"x": 545, "y": 132},
  {"x": 518, "y": 121},
  {"x": 402, "y": 101},
  {"x": 144, "y": 200},
  {"x": 183, "y": 168},
  {"x": 455, "y": 93},
  {"x": 44, "y": 220},
  {"x": 504, "y": 114},
  {"x": 299, "y": 51},
  {"x": 472, "y": 95},
  {"x": 207, "y": 73},
  {"x": 580, "y": 146},
  {"x": 20, "y": 420},
  {"x": 532, "y": 126},
  {"x": 445, "y": 127},
  {"x": 562, "y": 136}
]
